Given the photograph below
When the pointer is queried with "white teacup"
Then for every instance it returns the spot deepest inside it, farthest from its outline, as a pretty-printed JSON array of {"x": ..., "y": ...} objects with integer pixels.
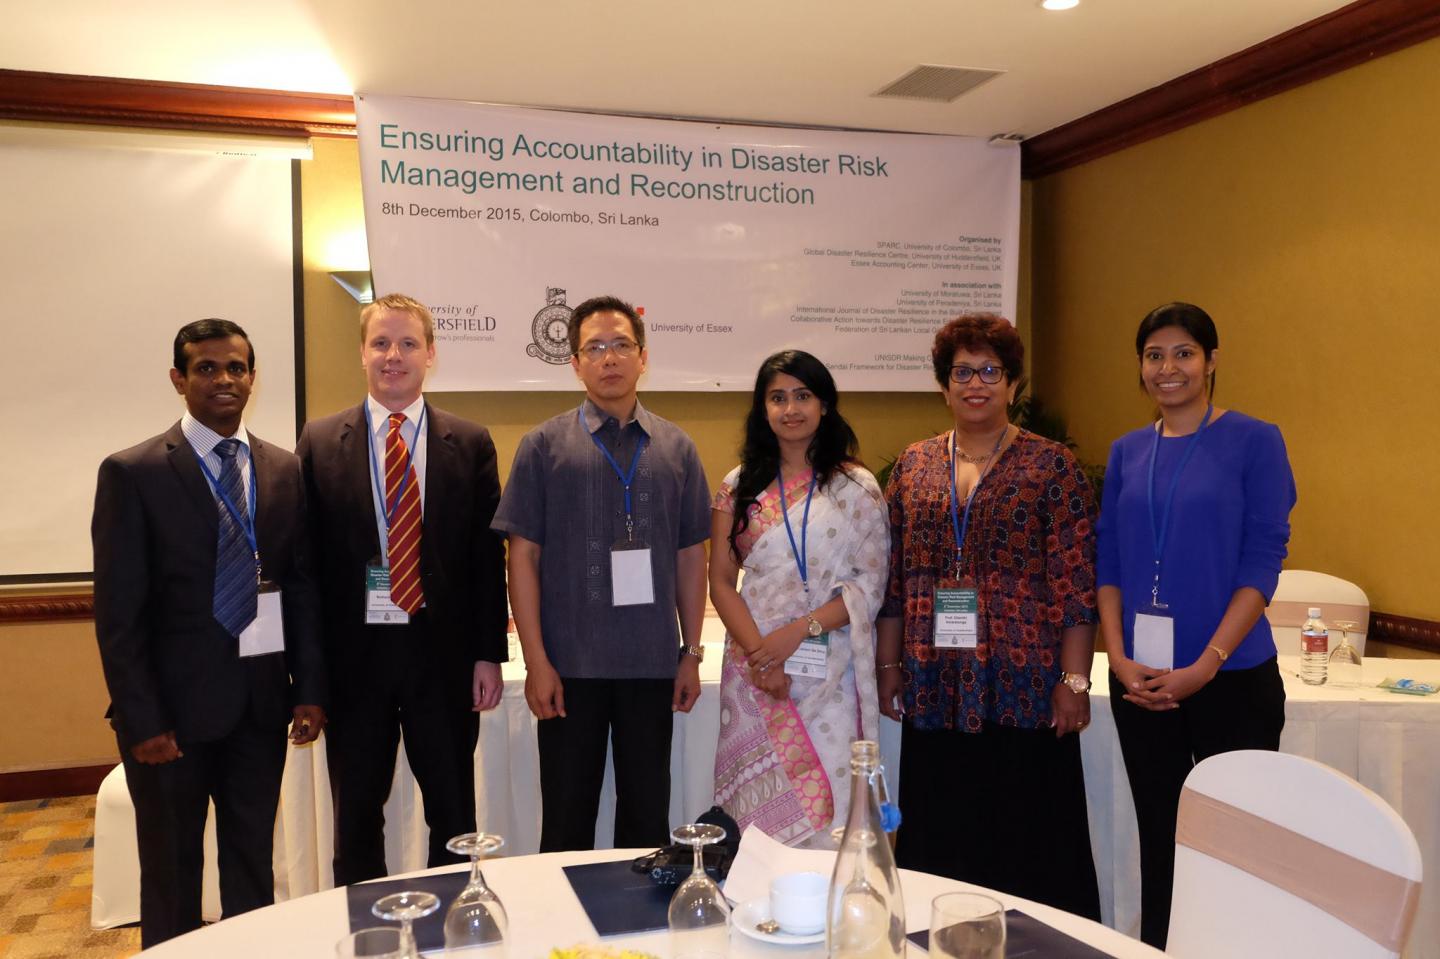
[{"x": 797, "y": 902}]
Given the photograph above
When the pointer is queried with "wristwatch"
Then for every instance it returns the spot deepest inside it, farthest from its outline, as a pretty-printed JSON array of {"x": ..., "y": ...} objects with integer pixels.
[
  {"x": 1078, "y": 684},
  {"x": 697, "y": 651},
  {"x": 813, "y": 627}
]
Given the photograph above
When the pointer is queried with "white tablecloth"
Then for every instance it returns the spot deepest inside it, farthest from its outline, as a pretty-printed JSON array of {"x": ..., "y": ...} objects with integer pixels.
[
  {"x": 544, "y": 912},
  {"x": 1388, "y": 742}
]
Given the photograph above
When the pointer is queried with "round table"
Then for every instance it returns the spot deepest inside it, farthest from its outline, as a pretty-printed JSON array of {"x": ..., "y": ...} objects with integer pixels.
[{"x": 544, "y": 913}]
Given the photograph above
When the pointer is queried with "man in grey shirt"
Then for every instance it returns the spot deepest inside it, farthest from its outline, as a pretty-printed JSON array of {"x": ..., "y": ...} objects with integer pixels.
[{"x": 607, "y": 512}]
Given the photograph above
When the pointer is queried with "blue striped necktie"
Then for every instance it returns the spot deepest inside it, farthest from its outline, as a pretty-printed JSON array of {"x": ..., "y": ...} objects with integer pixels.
[{"x": 236, "y": 584}]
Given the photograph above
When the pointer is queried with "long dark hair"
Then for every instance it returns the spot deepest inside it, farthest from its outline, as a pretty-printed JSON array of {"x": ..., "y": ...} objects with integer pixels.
[{"x": 833, "y": 446}]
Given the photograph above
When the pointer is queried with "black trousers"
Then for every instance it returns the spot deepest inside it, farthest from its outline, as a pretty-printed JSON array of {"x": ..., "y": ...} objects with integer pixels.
[
  {"x": 241, "y": 773},
  {"x": 634, "y": 716},
  {"x": 394, "y": 683},
  {"x": 1238, "y": 709},
  {"x": 1003, "y": 808}
]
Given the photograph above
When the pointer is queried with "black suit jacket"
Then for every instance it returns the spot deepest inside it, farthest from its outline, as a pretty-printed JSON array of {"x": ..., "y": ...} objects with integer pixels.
[
  {"x": 462, "y": 562},
  {"x": 168, "y": 663}
]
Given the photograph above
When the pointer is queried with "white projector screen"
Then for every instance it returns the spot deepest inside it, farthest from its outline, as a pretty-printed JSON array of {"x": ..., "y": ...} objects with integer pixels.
[{"x": 104, "y": 255}]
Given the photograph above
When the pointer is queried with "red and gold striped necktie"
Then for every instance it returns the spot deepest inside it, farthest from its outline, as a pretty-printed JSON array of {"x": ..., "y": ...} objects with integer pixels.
[{"x": 403, "y": 532}]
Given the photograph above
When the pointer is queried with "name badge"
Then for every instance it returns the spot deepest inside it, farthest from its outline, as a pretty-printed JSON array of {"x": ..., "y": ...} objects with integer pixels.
[
  {"x": 632, "y": 581},
  {"x": 957, "y": 617},
  {"x": 1155, "y": 639},
  {"x": 379, "y": 610},
  {"x": 812, "y": 659},
  {"x": 266, "y": 634}
]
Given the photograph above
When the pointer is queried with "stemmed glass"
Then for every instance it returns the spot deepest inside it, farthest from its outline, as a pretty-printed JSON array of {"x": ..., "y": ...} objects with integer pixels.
[
  {"x": 476, "y": 917},
  {"x": 1345, "y": 663},
  {"x": 405, "y": 908},
  {"x": 699, "y": 916}
]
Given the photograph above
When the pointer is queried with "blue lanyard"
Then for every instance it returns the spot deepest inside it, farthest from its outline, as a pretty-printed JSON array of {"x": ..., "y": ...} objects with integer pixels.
[
  {"x": 246, "y": 523},
  {"x": 801, "y": 561},
  {"x": 626, "y": 477},
  {"x": 375, "y": 474},
  {"x": 961, "y": 527},
  {"x": 1159, "y": 530}
]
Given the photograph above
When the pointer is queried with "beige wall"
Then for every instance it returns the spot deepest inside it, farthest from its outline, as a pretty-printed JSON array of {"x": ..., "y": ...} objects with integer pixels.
[{"x": 1308, "y": 225}]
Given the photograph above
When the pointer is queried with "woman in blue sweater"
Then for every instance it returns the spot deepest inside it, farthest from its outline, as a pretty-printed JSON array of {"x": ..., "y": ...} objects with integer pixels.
[{"x": 1193, "y": 528}]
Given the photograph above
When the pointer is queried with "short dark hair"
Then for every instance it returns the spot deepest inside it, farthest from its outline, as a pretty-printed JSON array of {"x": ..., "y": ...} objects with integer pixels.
[
  {"x": 208, "y": 329},
  {"x": 604, "y": 304},
  {"x": 978, "y": 332},
  {"x": 1189, "y": 318}
]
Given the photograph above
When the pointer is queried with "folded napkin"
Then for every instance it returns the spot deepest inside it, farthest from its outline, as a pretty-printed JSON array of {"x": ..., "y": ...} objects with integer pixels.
[{"x": 761, "y": 859}]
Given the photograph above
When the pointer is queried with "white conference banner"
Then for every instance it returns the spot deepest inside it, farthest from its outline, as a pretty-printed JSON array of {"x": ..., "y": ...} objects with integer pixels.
[{"x": 734, "y": 241}]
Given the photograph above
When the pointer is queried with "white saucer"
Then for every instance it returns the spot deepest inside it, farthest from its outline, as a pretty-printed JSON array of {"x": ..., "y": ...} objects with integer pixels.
[{"x": 747, "y": 914}]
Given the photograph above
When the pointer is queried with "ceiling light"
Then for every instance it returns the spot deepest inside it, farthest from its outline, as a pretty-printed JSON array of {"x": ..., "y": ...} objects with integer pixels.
[{"x": 1059, "y": 4}]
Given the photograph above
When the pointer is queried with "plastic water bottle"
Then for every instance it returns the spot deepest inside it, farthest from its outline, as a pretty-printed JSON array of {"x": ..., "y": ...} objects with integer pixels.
[
  {"x": 1314, "y": 649},
  {"x": 866, "y": 916}
]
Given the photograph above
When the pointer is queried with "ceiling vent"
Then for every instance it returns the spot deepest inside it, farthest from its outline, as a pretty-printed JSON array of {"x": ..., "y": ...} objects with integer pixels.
[{"x": 936, "y": 84}]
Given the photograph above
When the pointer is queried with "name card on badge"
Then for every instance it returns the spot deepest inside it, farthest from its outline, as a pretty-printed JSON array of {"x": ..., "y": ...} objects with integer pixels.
[{"x": 266, "y": 633}]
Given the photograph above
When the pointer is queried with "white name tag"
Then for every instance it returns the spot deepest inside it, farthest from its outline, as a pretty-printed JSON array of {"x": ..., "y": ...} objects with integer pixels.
[
  {"x": 379, "y": 610},
  {"x": 632, "y": 582},
  {"x": 811, "y": 660},
  {"x": 266, "y": 634},
  {"x": 1155, "y": 640},
  {"x": 957, "y": 618}
]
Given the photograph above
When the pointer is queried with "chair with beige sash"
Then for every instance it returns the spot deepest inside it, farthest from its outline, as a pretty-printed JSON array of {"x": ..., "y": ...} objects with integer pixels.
[
  {"x": 1277, "y": 855},
  {"x": 1339, "y": 600}
]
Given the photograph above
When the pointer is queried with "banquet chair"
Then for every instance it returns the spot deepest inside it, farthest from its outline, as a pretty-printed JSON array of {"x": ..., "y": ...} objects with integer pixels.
[
  {"x": 1339, "y": 600},
  {"x": 1278, "y": 855}
]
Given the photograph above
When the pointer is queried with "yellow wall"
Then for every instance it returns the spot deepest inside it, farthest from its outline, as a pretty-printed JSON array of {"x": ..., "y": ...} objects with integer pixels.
[{"x": 1308, "y": 225}]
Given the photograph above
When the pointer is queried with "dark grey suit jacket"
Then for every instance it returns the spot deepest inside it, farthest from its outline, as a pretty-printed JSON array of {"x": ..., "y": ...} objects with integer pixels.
[
  {"x": 167, "y": 662},
  {"x": 462, "y": 562}
]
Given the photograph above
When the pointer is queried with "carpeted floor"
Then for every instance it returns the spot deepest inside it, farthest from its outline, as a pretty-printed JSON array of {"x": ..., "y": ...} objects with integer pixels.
[{"x": 45, "y": 877}]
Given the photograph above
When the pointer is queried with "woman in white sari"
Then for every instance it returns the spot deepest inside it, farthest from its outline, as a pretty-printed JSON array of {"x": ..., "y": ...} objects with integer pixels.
[{"x": 809, "y": 526}]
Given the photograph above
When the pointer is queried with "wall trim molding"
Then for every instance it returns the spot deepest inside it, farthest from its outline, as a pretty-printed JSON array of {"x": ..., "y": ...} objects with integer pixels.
[
  {"x": 1351, "y": 35},
  {"x": 113, "y": 101},
  {"x": 41, "y": 608},
  {"x": 53, "y": 783},
  {"x": 1404, "y": 631}
]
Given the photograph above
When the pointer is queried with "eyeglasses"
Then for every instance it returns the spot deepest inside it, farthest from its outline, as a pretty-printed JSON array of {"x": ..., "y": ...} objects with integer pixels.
[
  {"x": 624, "y": 349},
  {"x": 960, "y": 373}
]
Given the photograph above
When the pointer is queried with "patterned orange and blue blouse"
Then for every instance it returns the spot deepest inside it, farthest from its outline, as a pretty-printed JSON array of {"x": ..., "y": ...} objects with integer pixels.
[{"x": 1030, "y": 552}]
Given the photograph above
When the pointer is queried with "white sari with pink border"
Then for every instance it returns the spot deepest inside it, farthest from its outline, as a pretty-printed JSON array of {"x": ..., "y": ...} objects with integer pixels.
[{"x": 785, "y": 764}]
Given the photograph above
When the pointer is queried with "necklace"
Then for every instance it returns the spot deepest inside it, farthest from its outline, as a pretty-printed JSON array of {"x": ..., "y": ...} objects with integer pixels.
[{"x": 965, "y": 457}]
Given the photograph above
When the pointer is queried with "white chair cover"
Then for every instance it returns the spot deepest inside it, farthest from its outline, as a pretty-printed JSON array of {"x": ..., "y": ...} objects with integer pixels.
[
  {"x": 1339, "y": 600},
  {"x": 1280, "y": 856}
]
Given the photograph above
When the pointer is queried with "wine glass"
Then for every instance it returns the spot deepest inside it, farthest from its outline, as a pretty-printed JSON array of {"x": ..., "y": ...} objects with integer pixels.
[
  {"x": 1345, "y": 663},
  {"x": 699, "y": 916},
  {"x": 476, "y": 917},
  {"x": 967, "y": 925},
  {"x": 405, "y": 908}
]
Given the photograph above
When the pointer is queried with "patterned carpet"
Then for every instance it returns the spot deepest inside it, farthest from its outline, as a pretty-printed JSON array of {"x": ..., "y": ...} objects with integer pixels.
[{"x": 45, "y": 863}]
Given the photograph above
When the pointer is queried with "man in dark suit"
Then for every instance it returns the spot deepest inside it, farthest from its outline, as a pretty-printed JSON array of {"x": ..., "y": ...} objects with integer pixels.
[
  {"x": 205, "y": 612},
  {"x": 412, "y": 588}
]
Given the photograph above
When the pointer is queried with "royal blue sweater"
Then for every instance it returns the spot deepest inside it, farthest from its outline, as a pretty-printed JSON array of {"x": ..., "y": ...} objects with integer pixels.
[{"x": 1228, "y": 528}]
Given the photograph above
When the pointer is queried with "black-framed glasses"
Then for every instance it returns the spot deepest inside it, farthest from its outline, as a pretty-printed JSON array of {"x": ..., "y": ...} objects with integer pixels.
[
  {"x": 960, "y": 373},
  {"x": 624, "y": 349}
]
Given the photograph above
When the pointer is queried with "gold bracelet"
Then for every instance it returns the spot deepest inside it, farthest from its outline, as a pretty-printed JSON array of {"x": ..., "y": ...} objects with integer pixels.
[
  {"x": 887, "y": 666},
  {"x": 1219, "y": 652}
]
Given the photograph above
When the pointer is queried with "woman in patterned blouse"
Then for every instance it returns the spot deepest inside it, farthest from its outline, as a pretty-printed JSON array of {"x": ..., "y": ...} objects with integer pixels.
[{"x": 994, "y": 528}]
